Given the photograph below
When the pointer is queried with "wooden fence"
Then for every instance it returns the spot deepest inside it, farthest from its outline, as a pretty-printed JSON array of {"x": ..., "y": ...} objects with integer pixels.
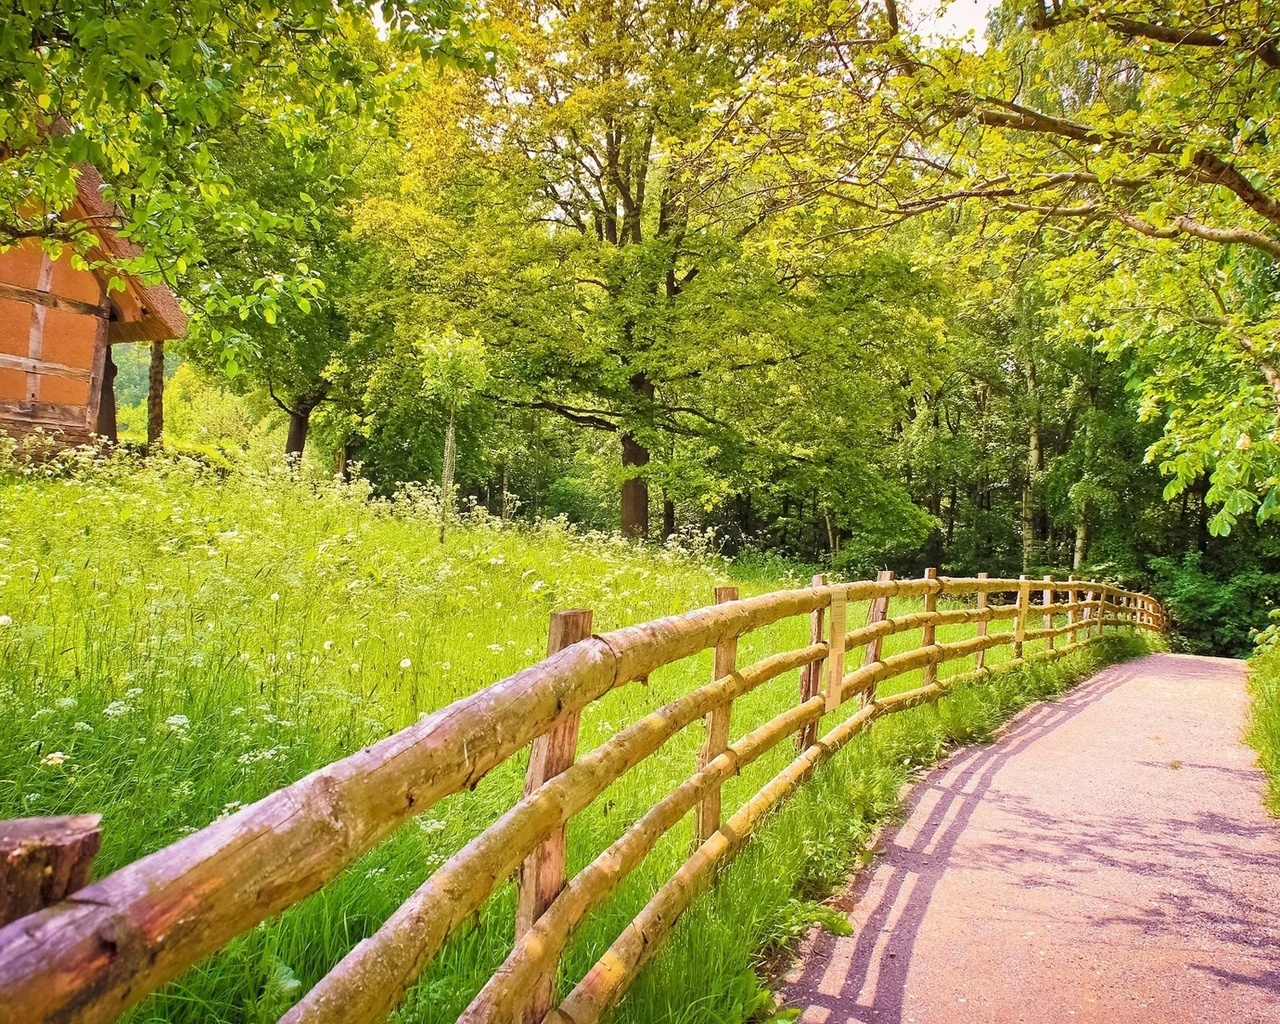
[{"x": 93, "y": 955}]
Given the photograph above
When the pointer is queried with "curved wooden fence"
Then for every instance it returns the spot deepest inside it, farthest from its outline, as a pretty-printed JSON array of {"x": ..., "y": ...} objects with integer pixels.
[{"x": 114, "y": 942}]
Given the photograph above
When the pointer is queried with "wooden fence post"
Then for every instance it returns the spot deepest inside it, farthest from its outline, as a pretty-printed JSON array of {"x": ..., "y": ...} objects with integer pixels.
[
  {"x": 1020, "y": 624},
  {"x": 1047, "y": 621},
  {"x": 835, "y": 648},
  {"x": 1072, "y": 612},
  {"x": 878, "y": 612},
  {"x": 929, "y": 634},
  {"x": 811, "y": 674},
  {"x": 980, "y": 658},
  {"x": 542, "y": 873},
  {"x": 725, "y": 661},
  {"x": 44, "y": 860}
]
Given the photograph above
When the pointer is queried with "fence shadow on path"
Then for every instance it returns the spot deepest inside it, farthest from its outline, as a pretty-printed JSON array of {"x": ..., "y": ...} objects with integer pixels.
[{"x": 843, "y": 983}]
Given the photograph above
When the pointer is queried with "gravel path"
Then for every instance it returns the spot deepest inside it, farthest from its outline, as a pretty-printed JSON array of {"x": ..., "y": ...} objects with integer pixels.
[{"x": 1108, "y": 859}]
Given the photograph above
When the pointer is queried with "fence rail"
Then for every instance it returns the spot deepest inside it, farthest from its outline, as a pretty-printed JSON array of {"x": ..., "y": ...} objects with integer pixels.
[{"x": 109, "y": 945}]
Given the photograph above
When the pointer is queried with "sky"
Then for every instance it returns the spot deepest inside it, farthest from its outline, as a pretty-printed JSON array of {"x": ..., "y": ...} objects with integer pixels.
[{"x": 956, "y": 18}]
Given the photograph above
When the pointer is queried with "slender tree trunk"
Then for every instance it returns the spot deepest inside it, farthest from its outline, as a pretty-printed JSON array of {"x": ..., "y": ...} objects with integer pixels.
[
  {"x": 1034, "y": 456},
  {"x": 342, "y": 463},
  {"x": 155, "y": 399},
  {"x": 668, "y": 517},
  {"x": 635, "y": 489},
  {"x": 502, "y": 503},
  {"x": 446, "y": 476},
  {"x": 106, "y": 426},
  {"x": 1082, "y": 542}
]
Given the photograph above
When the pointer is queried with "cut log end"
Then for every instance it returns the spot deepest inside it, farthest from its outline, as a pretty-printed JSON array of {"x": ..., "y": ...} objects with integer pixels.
[{"x": 44, "y": 860}]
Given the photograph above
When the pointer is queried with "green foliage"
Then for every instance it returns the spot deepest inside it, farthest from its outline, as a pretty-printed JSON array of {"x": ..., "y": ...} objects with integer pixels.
[
  {"x": 1264, "y": 717},
  {"x": 1215, "y": 614}
]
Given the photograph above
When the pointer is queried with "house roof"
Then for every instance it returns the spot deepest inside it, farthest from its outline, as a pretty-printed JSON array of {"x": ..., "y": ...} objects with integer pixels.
[{"x": 142, "y": 312}]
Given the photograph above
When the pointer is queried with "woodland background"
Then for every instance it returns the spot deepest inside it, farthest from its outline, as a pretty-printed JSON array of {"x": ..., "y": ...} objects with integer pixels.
[{"x": 793, "y": 278}]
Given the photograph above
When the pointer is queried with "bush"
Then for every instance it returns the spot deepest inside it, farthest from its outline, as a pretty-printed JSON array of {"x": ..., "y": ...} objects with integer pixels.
[{"x": 1214, "y": 614}]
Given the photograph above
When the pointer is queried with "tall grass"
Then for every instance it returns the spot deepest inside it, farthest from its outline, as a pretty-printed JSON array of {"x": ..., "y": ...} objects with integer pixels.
[
  {"x": 176, "y": 644},
  {"x": 1264, "y": 719}
]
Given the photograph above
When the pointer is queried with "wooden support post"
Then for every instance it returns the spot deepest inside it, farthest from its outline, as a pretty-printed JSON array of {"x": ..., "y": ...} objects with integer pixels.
[
  {"x": 1020, "y": 624},
  {"x": 835, "y": 648},
  {"x": 44, "y": 860},
  {"x": 929, "y": 633},
  {"x": 811, "y": 674},
  {"x": 1073, "y": 616},
  {"x": 980, "y": 658},
  {"x": 542, "y": 874},
  {"x": 1048, "y": 600},
  {"x": 878, "y": 612},
  {"x": 707, "y": 813}
]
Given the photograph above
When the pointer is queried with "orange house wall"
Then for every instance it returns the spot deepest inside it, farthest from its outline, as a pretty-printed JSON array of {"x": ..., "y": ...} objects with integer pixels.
[{"x": 57, "y": 340}]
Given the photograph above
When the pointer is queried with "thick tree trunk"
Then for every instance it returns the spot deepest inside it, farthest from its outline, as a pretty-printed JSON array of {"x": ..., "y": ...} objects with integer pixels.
[
  {"x": 155, "y": 398},
  {"x": 106, "y": 426},
  {"x": 668, "y": 517},
  {"x": 299, "y": 423},
  {"x": 635, "y": 489}
]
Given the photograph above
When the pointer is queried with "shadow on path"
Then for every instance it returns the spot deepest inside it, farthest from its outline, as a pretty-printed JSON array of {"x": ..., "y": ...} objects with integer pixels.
[{"x": 1190, "y": 859}]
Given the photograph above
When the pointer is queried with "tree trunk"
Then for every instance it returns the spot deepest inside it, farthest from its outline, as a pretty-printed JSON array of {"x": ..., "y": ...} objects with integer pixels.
[
  {"x": 107, "y": 406},
  {"x": 502, "y": 502},
  {"x": 1034, "y": 457},
  {"x": 155, "y": 399},
  {"x": 299, "y": 423},
  {"x": 635, "y": 489},
  {"x": 446, "y": 476},
  {"x": 668, "y": 517},
  {"x": 1082, "y": 542}
]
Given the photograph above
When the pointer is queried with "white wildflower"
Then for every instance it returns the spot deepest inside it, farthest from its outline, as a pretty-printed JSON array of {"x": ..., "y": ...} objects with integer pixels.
[
  {"x": 55, "y": 760},
  {"x": 405, "y": 664},
  {"x": 328, "y": 645},
  {"x": 116, "y": 708},
  {"x": 6, "y": 620},
  {"x": 67, "y": 702},
  {"x": 177, "y": 722},
  {"x": 275, "y": 597}
]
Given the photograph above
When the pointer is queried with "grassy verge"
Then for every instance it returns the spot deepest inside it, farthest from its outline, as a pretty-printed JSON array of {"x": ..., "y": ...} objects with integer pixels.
[
  {"x": 175, "y": 643},
  {"x": 1264, "y": 719}
]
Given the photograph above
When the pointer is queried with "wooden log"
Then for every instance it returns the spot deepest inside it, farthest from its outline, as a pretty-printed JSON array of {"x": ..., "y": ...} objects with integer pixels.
[
  {"x": 929, "y": 632},
  {"x": 372, "y": 978},
  {"x": 878, "y": 612},
  {"x": 836, "y": 647},
  {"x": 980, "y": 658},
  {"x": 1073, "y": 610},
  {"x": 44, "y": 860},
  {"x": 811, "y": 675},
  {"x": 1047, "y": 600},
  {"x": 170, "y": 909},
  {"x": 542, "y": 873},
  {"x": 1020, "y": 627},
  {"x": 724, "y": 662}
]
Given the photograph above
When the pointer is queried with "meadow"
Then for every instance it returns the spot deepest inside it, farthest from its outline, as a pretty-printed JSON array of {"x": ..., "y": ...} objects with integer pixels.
[{"x": 176, "y": 643}]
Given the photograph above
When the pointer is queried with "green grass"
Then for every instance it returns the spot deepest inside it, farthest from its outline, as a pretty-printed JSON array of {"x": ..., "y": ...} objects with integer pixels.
[
  {"x": 180, "y": 643},
  {"x": 1264, "y": 719}
]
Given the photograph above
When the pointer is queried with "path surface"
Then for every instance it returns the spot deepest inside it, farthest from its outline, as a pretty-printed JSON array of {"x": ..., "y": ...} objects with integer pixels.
[{"x": 1108, "y": 859}]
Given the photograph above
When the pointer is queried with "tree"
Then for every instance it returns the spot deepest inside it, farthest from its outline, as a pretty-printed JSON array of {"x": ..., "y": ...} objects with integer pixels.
[
  {"x": 1138, "y": 132},
  {"x": 591, "y": 220}
]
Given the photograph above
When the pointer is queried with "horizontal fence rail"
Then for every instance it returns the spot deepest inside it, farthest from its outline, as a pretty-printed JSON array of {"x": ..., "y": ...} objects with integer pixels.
[{"x": 95, "y": 954}]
